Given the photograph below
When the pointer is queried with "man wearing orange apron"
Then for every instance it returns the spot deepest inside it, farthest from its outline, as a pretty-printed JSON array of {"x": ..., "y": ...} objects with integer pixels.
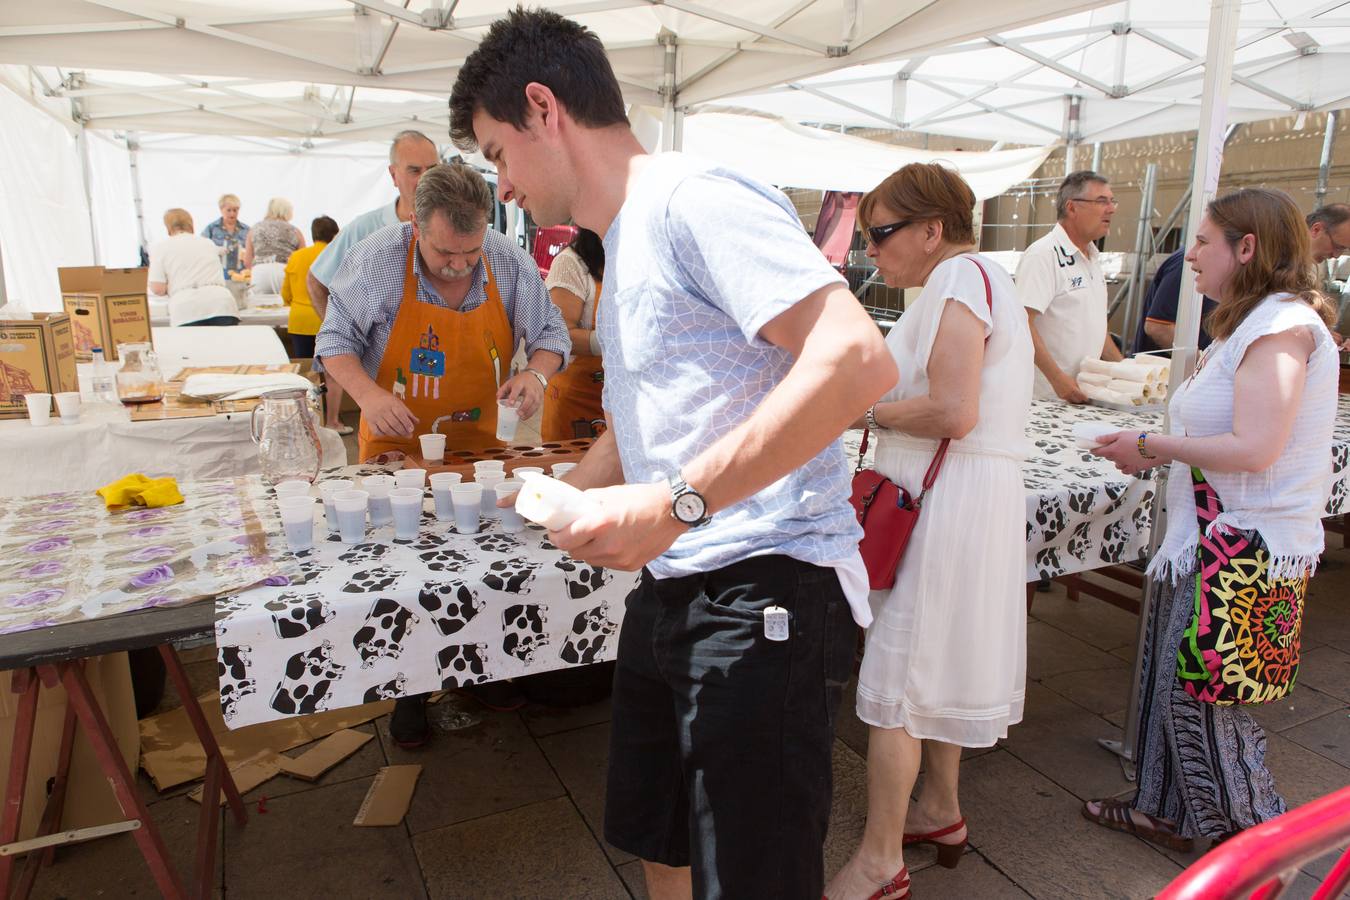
[{"x": 423, "y": 320}]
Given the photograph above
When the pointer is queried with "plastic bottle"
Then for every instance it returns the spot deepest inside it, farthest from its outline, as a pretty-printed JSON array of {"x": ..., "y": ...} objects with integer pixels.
[{"x": 102, "y": 383}]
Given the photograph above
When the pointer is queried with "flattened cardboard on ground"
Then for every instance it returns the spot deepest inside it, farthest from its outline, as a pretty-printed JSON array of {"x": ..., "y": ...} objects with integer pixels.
[
  {"x": 330, "y": 751},
  {"x": 171, "y": 755},
  {"x": 247, "y": 775},
  {"x": 389, "y": 796}
]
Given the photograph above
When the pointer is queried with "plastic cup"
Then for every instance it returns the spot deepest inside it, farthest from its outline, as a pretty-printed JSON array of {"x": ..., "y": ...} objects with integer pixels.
[
  {"x": 489, "y": 465},
  {"x": 297, "y": 521},
  {"x": 510, "y": 519},
  {"x": 294, "y": 487},
  {"x": 489, "y": 480},
  {"x": 410, "y": 478},
  {"x": 351, "y": 515},
  {"x": 508, "y": 420},
  {"x": 68, "y": 404},
  {"x": 39, "y": 409},
  {"x": 326, "y": 490},
  {"x": 561, "y": 469},
  {"x": 407, "y": 508},
  {"x": 468, "y": 500},
  {"x": 379, "y": 486},
  {"x": 441, "y": 483},
  {"x": 433, "y": 447},
  {"x": 520, "y": 472},
  {"x": 551, "y": 503}
]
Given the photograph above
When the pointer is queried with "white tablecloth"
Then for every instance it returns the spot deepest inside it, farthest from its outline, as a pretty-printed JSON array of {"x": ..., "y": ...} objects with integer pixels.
[{"x": 97, "y": 450}]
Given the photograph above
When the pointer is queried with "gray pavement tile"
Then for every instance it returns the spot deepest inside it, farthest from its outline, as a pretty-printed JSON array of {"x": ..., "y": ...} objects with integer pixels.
[
  {"x": 848, "y": 808},
  {"x": 1328, "y": 736},
  {"x": 580, "y": 758},
  {"x": 1032, "y": 832},
  {"x": 847, "y": 726},
  {"x": 973, "y": 877},
  {"x": 1058, "y": 739},
  {"x": 1300, "y": 774},
  {"x": 1302, "y": 705},
  {"x": 540, "y": 850},
  {"x": 364, "y": 763},
  {"x": 631, "y": 873},
  {"x": 306, "y": 846},
  {"x": 1090, "y": 620},
  {"x": 114, "y": 867},
  {"x": 475, "y": 772},
  {"x": 546, "y": 720},
  {"x": 1051, "y": 652},
  {"x": 1326, "y": 669},
  {"x": 1099, "y": 691}
]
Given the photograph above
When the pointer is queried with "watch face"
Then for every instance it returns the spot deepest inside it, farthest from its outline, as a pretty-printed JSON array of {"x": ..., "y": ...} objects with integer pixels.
[{"x": 689, "y": 508}]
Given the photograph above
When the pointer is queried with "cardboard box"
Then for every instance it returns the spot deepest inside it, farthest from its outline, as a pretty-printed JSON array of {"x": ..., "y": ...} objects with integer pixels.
[
  {"x": 36, "y": 356},
  {"x": 89, "y": 796},
  {"x": 107, "y": 307}
]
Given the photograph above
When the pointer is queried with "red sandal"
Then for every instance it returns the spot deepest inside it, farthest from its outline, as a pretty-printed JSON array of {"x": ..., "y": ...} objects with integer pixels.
[
  {"x": 948, "y": 855},
  {"x": 895, "y": 889}
]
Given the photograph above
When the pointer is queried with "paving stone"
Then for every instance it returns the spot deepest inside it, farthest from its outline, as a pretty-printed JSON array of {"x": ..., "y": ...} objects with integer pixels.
[
  {"x": 540, "y": 850},
  {"x": 1031, "y": 831},
  {"x": 1326, "y": 669},
  {"x": 847, "y": 726},
  {"x": 1090, "y": 620},
  {"x": 114, "y": 866},
  {"x": 633, "y": 879},
  {"x": 580, "y": 758},
  {"x": 1059, "y": 739},
  {"x": 1300, "y": 774},
  {"x": 1099, "y": 691},
  {"x": 1052, "y": 652},
  {"x": 848, "y": 808},
  {"x": 545, "y": 720},
  {"x": 306, "y": 846},
  {"x": 972, "y": 877},
  {"x": 1302, "y": 705},
  {"x": 475, "y": 772},
  {"x": 1327, "y": 736}
]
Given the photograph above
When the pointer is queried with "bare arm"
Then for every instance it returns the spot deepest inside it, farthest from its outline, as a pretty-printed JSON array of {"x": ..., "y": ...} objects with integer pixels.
[
  {"x": 386, "y": 414},
  {"x": 318, "y": 294},
  {"x": 951, "y": 408},
  {"x": 601, "y": 466},
  {"x": 246, "y": 255},
  {"x": 158, "y": 287},
  {"x": 1161, "y": 333},
  {"x": 1110, "y": 351},
  {"x": 1065, "y": 387}
]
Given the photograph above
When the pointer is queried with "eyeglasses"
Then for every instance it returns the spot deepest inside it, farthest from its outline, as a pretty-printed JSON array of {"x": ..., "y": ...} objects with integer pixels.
[
  {"x": 878, "y": 233},
  {"x": 1100, "y": 201}
]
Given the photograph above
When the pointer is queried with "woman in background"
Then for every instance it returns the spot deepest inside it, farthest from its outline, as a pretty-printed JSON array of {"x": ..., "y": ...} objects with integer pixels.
[
  {"x": 269, "y": 245},
  {"x": 187, "y": 268},
  {"x": 572, "y": 407},
  {"x": 304, "y": 321},
  {"x": 228, "y": 234}
]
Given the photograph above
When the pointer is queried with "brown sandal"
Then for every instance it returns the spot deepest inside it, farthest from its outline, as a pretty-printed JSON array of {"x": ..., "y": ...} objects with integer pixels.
[{"x": 1115, "y": 814}]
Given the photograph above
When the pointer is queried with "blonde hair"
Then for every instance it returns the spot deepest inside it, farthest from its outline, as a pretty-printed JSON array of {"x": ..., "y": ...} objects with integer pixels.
[
  {"x": 1281, "y": 263},
  {"x": 227, "y": 198},
  {"x": 925, "y": 191},
  {"x": 178, "y": 220},
  {"x": 280, "y": 208}
]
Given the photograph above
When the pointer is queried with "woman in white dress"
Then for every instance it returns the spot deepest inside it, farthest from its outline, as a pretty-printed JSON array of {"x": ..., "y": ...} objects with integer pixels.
[{"x": 945, "y": 662}]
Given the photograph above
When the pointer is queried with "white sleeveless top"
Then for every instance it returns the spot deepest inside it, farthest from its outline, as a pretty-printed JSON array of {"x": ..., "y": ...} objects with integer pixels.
[{"x": 1285, "y": 502}]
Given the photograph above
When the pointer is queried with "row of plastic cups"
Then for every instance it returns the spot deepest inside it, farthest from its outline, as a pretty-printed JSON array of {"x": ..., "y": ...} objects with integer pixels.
[{"x": 40, "y": 407}]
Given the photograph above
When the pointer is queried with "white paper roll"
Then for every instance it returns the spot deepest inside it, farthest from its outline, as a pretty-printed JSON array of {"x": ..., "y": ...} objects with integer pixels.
[
  {"x": 1085, "y": 434},
  {"x": 552, "y": 503},
  {"x": 1096, "y": 379},
  {"x": 1101, "y": 367}
]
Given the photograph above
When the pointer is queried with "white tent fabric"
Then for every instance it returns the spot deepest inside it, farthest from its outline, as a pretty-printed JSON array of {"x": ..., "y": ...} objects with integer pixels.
[{"x": 1135, "y": 68}]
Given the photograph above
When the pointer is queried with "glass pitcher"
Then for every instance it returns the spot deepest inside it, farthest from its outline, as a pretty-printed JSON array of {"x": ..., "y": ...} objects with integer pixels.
[
  {"x": 283, "y": 427},
  {"x": 140, "y": 379}
]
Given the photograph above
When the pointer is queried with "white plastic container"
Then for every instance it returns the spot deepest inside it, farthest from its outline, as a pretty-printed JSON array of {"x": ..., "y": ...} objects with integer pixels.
[{"x": 552, "y": 503}]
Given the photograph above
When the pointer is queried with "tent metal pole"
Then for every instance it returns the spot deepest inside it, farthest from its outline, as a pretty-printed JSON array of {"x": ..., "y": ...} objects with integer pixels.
[
  {"x": 1324, "y": 165},
  {"x": 1213, "y": 133},
  {"x": 133, "y": 161},
  {"x": 1143, "y": 251},
  {"x": 82, "y": 141},
  {"x": 672, "y": 119}
]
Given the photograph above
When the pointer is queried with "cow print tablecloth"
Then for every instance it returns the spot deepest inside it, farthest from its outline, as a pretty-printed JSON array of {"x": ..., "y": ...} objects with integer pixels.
[{"x": 385, "y": 619}]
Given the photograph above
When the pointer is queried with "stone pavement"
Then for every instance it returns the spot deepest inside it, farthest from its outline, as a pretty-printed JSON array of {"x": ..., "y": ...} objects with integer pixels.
[{"x": 511, "y": 807}]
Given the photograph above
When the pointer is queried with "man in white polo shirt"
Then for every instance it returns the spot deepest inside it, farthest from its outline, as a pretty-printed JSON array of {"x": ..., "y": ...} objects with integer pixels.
[{"x": 1061, "y": 284}]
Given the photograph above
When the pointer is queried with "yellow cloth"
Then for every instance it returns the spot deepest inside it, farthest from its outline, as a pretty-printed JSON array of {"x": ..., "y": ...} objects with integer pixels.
[
  {"x": 140, "y": 491},
  {"x": 304, "y": 319}
]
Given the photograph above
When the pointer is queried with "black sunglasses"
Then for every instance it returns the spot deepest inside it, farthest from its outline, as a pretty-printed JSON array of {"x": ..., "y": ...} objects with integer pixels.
[{"x": 878, "y": 233}]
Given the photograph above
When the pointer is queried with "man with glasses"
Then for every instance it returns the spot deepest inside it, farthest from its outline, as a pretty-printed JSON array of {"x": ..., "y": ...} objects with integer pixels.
[{"x": 1060, "y": 282}]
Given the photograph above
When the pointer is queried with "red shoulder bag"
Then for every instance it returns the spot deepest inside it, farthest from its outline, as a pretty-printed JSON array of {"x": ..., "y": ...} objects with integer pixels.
[{"x": 886, "y": 511}]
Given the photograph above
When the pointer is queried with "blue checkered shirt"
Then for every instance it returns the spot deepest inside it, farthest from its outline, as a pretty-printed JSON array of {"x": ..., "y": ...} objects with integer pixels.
[{"x": 366, "y": 293}]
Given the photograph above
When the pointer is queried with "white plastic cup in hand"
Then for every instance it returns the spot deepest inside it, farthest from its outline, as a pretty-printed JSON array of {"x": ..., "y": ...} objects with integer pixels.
[
  {"x": 407, "y": 506},
  {"x": 39, "y": 409},
  {"x": 295, "y": 487},
  {"x": 468, "y": 499},
  {"x": 508, "y": 420},
  {"x": 551, "y": 503},
  {"x": 297, "y": 521},
  {"x": 379, "y": 486},
  {"x": 561, "y": 469},
  {"x": 1088, "y": 434},
  {"x": 410, "y": 478},
  {"x": 489, "y": 480},
  {"x": 351, "y": 515},
  {"x": 520, "y": 472},
  {"x": 326, "y": 490},
  {"x": 68, "y": 404},
  {"x": 433, "y": 447},
  {"x": 441, "y": 483},
  {"x": 510, "y": 519}
]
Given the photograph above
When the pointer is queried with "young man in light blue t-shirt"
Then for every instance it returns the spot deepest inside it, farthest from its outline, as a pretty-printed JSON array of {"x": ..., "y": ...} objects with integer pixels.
[{"x": 735, "y": 356}]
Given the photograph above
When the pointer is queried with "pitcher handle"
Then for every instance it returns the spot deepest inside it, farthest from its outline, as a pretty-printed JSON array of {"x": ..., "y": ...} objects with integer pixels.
[{"x": 253, "y": 424}]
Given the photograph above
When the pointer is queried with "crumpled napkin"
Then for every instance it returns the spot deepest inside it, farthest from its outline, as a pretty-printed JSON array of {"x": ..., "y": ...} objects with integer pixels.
[
  {"x": 137, "y": 490},
  {"x": 212, "y": 386}
]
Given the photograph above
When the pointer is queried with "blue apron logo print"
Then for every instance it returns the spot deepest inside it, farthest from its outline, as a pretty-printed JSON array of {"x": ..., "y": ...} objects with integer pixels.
[{"x": 427, "y": 366}]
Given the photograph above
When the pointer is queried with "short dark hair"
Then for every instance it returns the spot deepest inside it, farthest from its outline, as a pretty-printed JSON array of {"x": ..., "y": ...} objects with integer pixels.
[
  {"x": 535, "y": 45},
  {"x": 1072, "y": 187},
  {"x": 323, "y": 229},
  {"x": 1332, "y": 215},
  {"x": 591, "y": 249},
  {"x": 458, "y": 191}
]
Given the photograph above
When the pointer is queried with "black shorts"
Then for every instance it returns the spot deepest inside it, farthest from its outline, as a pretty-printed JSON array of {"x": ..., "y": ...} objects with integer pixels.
[
  {"x": 302, "y": 345},
  {"x": 721, "y": 739}
]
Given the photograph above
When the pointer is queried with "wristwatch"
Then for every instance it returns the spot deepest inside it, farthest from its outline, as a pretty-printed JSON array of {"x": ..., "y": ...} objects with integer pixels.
[{"x": 686, "y": 504}]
